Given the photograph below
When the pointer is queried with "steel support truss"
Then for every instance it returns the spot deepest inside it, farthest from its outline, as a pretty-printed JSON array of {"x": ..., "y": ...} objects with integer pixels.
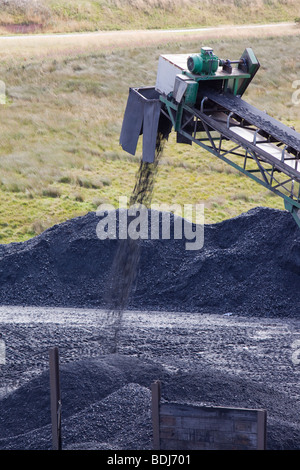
[{"x": 201, "y": 127}]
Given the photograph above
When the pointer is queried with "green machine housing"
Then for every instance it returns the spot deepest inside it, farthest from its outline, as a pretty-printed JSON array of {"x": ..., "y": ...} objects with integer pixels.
[
  {"x": 181, "y": 79},
  {"x": 223, "y": 75}
]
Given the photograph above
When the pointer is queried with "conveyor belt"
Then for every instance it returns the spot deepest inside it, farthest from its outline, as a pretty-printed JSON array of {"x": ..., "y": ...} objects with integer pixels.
[
  {"x": 268, "y": 147},
  {"x": 271, "y": 154},
  {"x": 263, "y": 121}
]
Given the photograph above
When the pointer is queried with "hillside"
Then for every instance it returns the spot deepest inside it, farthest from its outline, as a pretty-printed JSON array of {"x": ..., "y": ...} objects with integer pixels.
[{"x": 21, "y": 16}]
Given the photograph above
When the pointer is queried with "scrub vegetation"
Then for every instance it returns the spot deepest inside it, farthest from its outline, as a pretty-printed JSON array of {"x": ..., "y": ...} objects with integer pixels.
[{"x": 90, "y": 15}]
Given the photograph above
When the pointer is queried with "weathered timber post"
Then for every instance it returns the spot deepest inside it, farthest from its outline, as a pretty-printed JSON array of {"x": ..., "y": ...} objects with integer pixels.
[{"x": 55, "y": 398}]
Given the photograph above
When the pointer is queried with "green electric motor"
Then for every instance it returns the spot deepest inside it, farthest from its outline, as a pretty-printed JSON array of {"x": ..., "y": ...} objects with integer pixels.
[{"x": 205, "y": 63}]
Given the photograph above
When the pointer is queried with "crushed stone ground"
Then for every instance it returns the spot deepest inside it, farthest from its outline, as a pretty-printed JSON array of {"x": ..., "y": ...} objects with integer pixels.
[{"x": 219, "y": 326}]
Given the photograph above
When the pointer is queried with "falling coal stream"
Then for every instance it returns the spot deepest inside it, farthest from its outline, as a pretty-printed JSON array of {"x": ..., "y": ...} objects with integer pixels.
[{"x": 126, "y": 260}]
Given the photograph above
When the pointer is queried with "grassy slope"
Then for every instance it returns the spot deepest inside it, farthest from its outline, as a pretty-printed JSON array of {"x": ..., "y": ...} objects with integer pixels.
[
  {"x": 59, "y": 152},
  {"x": 88, "y": 15}
]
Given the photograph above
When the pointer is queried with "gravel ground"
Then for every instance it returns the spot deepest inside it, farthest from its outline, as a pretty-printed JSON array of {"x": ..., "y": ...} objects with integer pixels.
[
  {"x": 219, "y": 326},
  {"x": 225, "y": 360}
]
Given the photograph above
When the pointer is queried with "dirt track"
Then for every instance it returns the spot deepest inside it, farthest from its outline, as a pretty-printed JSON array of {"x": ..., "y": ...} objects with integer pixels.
[
  {"x": 213, "y": 359},
  {"x": 49, "y": 45}
]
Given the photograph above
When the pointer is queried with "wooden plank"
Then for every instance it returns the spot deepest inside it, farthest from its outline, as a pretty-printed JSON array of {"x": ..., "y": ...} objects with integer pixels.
[
  {"x": 55, "y": 398},
  {"x": 155, "y": 389},
  {"x": 181, "y": 445},
  {"x": 178, "y": 409},
  {"x": 187, "y": 427},
  {"x": 261, "y": 429},
  {"x": 167, "y": 420},
  {"x": 243, "y": 425}
]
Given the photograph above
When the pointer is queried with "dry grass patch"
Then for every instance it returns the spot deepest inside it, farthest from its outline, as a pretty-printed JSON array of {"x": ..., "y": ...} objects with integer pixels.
[{"x": 23, "y": 16}]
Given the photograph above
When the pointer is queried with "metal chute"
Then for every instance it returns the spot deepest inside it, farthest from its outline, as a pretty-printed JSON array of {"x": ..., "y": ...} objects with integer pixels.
[{"x": 143, "y": 117}]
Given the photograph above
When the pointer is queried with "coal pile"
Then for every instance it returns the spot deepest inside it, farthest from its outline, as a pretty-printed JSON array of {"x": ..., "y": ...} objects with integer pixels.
[
  {"x": 107, "y": 408},
  {"x": 248, "y": 265},
  {"x": 106, "y": 404}
]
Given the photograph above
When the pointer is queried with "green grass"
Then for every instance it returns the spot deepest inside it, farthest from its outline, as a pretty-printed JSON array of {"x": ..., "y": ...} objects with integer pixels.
[
  {"x": 59, "y": 136},
  {"x": 89, "y": 15}
]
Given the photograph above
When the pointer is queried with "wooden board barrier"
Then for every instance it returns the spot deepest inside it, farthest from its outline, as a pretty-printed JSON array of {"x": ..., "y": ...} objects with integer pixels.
[{"x": 190, "y": 427}]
